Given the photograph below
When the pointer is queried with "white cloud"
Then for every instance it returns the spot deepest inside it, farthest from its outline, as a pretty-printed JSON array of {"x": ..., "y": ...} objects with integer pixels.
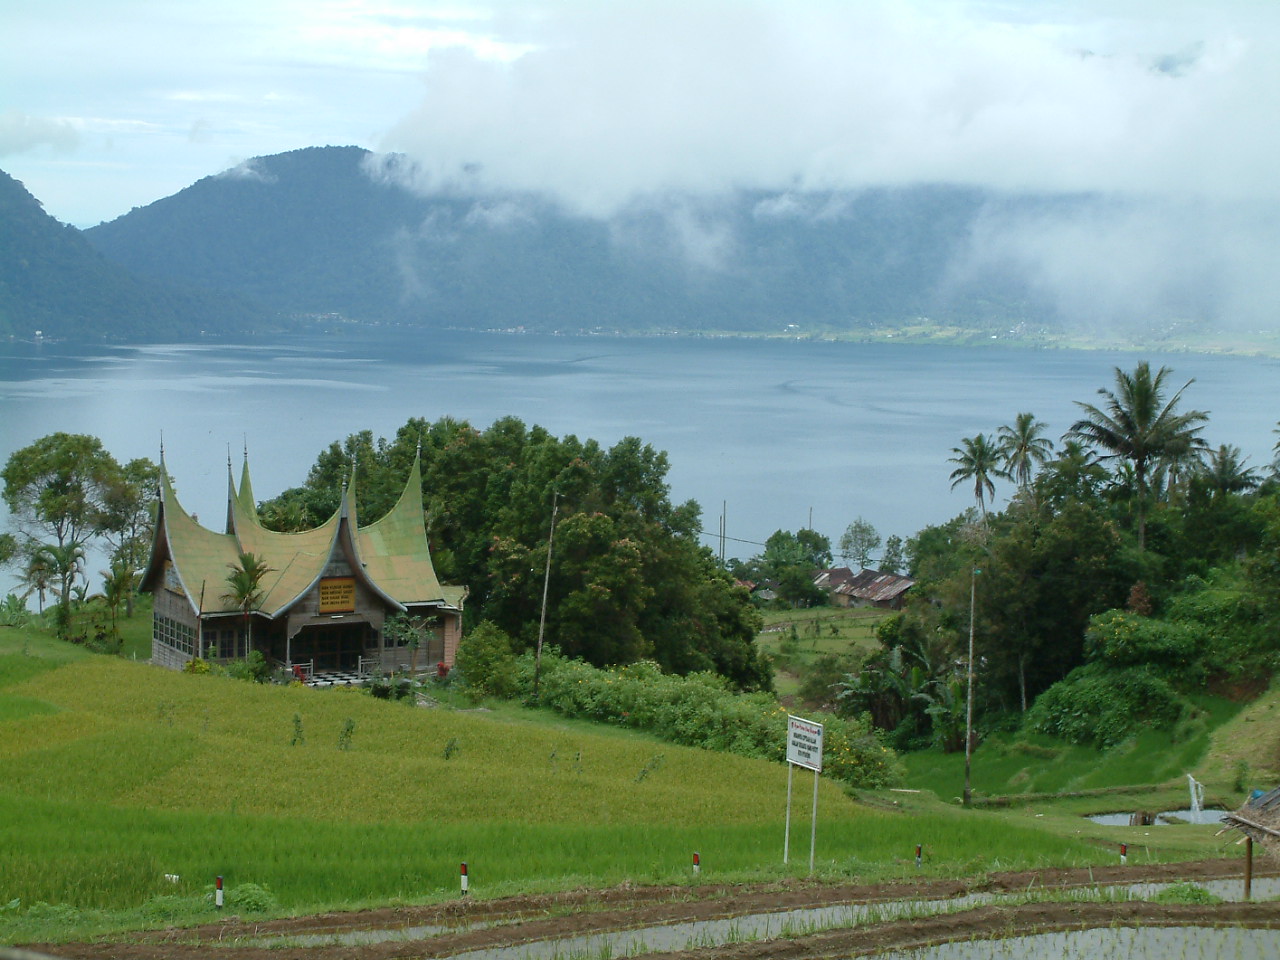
[
  {"x": 625, "y": 99},
  {"x": 20, "y": 133}
]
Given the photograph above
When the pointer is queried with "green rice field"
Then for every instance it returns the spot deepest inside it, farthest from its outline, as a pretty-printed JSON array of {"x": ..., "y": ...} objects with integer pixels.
[{"x": 114, "y": 774}]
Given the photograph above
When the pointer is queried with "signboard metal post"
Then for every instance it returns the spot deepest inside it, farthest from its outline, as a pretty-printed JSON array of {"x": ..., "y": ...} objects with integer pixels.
[{"x": 804, "y": 749}]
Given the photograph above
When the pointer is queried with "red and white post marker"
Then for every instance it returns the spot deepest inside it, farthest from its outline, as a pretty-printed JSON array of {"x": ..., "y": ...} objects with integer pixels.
[
  {"x": 919, "y": 855},
  {"x": 697, "y": 864},
  {"x": 1124, "y": 853},
  {"x": 464, "y": 878},
  {"x": 217, "y": 892}
]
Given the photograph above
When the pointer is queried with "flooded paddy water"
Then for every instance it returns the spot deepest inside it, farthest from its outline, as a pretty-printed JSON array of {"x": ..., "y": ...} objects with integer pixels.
[
  {"x": 1109, "y": 943},
  {"x": 709, "y": 934}
]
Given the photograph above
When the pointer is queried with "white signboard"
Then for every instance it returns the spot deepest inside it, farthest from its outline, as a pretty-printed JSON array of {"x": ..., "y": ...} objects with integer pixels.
[{"x": 804, "y": 743}]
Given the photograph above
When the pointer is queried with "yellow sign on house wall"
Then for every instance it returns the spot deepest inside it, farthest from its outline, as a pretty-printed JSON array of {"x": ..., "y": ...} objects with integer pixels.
[{"x": 338, "y": 595}]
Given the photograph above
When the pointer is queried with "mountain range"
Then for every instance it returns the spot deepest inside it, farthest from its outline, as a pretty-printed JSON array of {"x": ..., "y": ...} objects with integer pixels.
[{"x": 338, "y": 232}]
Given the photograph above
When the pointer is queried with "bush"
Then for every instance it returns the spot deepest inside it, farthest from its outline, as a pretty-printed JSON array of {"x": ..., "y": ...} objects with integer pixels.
[
  {"x": 14, "y": 612},
  {"x": 701, "y": 710},
  {"x": 1120, "y": 639},
  {"x": 253, "y": 668},
  {"x": 1099, "y": 706},
  {"x": 251, "y": 898},
  {"x": 486, "y": 659}
]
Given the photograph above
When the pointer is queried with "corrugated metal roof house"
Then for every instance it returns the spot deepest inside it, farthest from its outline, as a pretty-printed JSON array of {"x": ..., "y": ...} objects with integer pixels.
[{"x": 865, "y": 588}]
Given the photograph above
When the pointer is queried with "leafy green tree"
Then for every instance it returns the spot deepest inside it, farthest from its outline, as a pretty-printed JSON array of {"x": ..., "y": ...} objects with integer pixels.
[
  {"x": 892, "y": 560},
  {"x": 57, "y": 487},
  {"x": 978, "y": 460},
  {"x": 629, "y": 576},
  {"x": 1024, "y": 447},
  {"x": 859, "y": 541},
  {"x": 1075, "y": 474},
  {"x": 127, "y": 519},
  {"x": 244, "y": 590},
  {"x": 1138, "y": 424}
]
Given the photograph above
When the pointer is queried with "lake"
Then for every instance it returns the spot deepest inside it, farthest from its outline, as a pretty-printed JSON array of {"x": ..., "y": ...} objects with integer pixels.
[{"x": 773, "y": 432}]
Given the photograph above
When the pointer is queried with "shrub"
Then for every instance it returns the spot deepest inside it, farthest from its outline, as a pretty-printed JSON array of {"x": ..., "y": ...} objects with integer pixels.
[
  {"x": 14, "y": 612},
  {"x": 486, "y": 660},
  {"x": 701, "y": 710},
  {"x": 196, "y": 665},
  {"x": 1120, "y": 639},
  {"x": 251, "y": 898},
  {"x": 253, "y": 668},
  {"x": 1099, "y": 706}
]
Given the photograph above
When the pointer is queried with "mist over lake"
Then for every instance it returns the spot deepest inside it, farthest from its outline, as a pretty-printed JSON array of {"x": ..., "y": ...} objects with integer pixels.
[{"x": 773, "y": 430}]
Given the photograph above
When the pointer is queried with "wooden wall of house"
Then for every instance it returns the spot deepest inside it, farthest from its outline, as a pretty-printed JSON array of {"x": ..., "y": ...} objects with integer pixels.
[{"x": 174, "y": 630}]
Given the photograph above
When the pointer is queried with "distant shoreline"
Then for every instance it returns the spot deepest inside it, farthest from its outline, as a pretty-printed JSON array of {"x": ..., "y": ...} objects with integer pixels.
[
  {"x": 1203, "y": 341},
  {"x": 1255, "y": 344}
]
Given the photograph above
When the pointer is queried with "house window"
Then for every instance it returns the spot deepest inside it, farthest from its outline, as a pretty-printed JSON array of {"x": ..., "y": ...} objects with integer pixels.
[
  {"x": 226, "y": 643},
  {"x": 173, "y": 633}
]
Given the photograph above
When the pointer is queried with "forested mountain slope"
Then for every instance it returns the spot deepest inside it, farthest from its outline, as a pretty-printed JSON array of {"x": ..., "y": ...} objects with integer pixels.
[
  {"x": 334, "y": 230},
  {"x": 53, "y": 281}
]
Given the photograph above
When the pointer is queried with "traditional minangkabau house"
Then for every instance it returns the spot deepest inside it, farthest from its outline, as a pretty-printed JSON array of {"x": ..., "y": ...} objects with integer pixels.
[{"x": 325, "y": 597}]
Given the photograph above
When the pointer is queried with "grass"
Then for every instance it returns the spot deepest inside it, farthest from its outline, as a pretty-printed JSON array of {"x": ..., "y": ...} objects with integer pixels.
[
  {"x": 1017, "y": 764},
  {"x": 117, "y": 773},
  {"x": 819, "y": 631}
]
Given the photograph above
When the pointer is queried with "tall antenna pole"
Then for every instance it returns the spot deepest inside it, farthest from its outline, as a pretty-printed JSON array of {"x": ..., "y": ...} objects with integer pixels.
[{"x": 546, "y": 582}]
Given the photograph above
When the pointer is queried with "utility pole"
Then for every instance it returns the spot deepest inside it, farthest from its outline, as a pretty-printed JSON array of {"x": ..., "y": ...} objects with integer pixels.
[
  {"x": 546, "y": 582},
  {"x": 968, "y": 712}
]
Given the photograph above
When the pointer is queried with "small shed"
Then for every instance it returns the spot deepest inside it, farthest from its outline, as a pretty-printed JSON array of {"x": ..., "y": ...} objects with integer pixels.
[{"x": 1259, "y": 820}]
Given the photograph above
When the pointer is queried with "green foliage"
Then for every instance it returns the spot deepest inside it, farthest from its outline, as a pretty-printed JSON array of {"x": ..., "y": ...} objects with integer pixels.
[
  {"x": 629, "y": 578},
  {"x": 251, "y": 898},
  {"x": 700, "y": 710},
  {"x": 53, "y": 280},
  {"x": 13, "y": 612},
  {"x": 1186, "y": 893},
  {"x": 253, "y": 668},
  {"x": 487, "y": 661},
  {"x": 1118, "y": 639},
  {"x": 1101, "y": 706}
]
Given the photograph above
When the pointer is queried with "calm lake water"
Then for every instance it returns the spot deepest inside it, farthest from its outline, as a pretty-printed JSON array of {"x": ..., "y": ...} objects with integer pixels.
[{"x": 772, "y": 431}]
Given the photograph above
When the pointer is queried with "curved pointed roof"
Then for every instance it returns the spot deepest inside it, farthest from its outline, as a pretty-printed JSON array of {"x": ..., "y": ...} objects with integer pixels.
[
  {"x": 391, "y": 555},
  {"x": 393, "y": 550}
]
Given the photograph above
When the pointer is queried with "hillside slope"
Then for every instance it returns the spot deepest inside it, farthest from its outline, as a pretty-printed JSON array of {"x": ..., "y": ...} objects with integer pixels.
[
  {"x": 53, "y": 281},
  {"x": 334, "y": 230}
]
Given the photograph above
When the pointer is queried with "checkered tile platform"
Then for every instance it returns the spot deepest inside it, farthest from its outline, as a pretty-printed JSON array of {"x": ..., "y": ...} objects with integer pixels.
[{"x": 335, "y": 678}]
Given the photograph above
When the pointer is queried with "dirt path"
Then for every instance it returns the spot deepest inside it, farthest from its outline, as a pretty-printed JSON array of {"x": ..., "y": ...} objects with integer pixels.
[{"x": 488, "y": 924}]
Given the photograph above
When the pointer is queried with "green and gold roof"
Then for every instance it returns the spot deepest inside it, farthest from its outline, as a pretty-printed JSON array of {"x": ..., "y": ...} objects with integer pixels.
[{"x": 391, "y": 555}]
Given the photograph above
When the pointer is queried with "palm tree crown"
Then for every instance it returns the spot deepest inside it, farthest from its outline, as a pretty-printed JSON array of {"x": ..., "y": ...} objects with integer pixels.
[
  {"x": 979, "y": 460},
  {"x": 1023, "y": 447},
  {"x": 1138, "y": 424},
  {"x": 244, "y": 589}
]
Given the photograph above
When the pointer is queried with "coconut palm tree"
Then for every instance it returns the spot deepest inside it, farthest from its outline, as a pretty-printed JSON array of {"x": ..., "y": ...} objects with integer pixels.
[
  {"x": 244, "y": 590},
  {"x": 117, "y": 585},
  {"x": 1225, "y": 472},
  {"x": 979, "y": 461},
  {"x": 37, "y": 577},
  {"x": 1024, "y": 447},
  {"x": 1136, "y": 423}
]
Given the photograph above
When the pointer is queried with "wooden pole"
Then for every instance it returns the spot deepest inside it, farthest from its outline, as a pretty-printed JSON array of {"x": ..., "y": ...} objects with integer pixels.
[
  {"x": 546, "y": 582},
  {"x": 1248, "y": 868}
]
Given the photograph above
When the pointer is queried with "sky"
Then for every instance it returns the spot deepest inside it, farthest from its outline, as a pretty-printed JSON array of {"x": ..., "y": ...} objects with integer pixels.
[
  {"x": 110, "y": 104},
  {"x": 1163, "y": 112}
]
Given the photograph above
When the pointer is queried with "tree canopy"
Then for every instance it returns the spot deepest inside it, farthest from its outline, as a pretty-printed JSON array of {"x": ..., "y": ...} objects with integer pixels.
[{"x": 629, "y": 578}]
